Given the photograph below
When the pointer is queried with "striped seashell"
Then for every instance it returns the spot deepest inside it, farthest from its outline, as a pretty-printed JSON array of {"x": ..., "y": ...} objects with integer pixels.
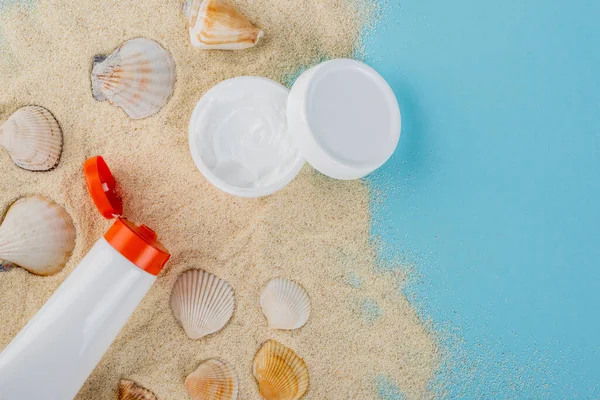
[
  {"x": 139, "y": 77},
  {"x": 213, "y": 380},
  {"x": 37, "y": 235},
  {"x": 280, "y": 373},
  {"x": 129, "y": 390},
  {"x": 285, "y": 304},
  {"x": 217, "y": 24},
  {"x": 202, "y": 303},
  {"x": 33, "y": 138}
]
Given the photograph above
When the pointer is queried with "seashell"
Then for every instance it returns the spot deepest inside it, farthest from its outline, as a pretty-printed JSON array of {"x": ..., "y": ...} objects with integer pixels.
[
  {"x": 139, "y": 77},
  {"x": 213, "y": 380},
  {"x": 37, "y": 235},
  {"x": 33, "y": 138},
  {"x": 129, "y": 390},
  {"x": 217, "y": 24},
  {"x": 285, "y": 304},
  {"x": 6, "y": 266},
  {"x": 280, "y": 373},
  {"x": 202, "y": 303}
]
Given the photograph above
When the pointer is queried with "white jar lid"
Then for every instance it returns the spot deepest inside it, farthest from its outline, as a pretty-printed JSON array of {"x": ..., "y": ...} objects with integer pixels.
[{"x": 342, "y": 117}]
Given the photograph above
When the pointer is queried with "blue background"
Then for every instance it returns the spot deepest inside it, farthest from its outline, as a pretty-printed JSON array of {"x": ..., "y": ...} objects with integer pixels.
[{"x": 492, "y": 195}]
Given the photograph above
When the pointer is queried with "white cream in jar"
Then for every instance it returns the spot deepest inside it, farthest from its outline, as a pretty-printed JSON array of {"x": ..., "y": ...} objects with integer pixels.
[{"x": 239, "y": 137}]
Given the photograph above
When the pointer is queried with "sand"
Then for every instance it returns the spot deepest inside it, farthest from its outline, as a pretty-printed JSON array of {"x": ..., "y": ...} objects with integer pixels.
[{"x": 362, "y": 330}]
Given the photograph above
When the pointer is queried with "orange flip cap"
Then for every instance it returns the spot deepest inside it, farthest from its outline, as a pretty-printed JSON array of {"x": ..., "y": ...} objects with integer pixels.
[
  {"x": 138, "y": 244},
  {"x": 102, "y": 187}
]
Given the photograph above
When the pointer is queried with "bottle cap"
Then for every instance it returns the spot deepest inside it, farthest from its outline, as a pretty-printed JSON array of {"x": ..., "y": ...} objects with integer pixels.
[
  {"x": 102, "y": 187},
  {"x": 138, "y": 244}
]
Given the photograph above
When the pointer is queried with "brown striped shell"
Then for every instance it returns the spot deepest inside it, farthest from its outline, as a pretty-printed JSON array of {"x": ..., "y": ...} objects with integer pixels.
[
  {"x": 280, "y": 372},
  {"x": 214, "y": 379},
  {"x": 129, "y": 390},
  {"x": 217, "y": 24}
]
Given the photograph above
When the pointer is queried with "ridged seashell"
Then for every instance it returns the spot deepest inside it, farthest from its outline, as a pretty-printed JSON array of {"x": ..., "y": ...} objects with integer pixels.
[
  {"x": 202, "y": 303},
  {"x": 33, "y": 138},
  {"x": 280, "y": 373},
  {"x": 38, "y": 235},
  {"x": 139, "y": 77},
  {"x": 129, "y": 390},
  {"x": 213, "y": 380},
  {"x": 285, "y": 304},
  {"x": 217, "y": 24}
]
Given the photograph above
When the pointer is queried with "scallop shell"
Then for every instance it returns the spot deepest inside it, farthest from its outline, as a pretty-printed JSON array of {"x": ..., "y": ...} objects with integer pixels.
[
  {"x": 129, "y": 390},
  {"x": 139, "y": 77},
  {"x": 213, "y": 380},
  {"x": 202, "y": 303},
  {"x": 217, "y": 24},
  {"x": 33, "y": 138},
  {"x": 38, "y": 235},
  {"x": 285, "y": 304},
  {"x": 280, "y": 373}
]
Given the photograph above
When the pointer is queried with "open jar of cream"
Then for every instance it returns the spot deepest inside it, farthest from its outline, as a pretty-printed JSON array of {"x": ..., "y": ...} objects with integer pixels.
[{"x": 250, "y": 136}]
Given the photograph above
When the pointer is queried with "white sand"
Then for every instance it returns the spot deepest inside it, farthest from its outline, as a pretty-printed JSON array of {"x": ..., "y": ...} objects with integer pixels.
[{"x": 315, "y": 231}]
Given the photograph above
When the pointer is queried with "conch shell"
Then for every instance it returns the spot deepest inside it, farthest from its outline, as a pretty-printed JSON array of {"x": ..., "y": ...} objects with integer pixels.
[
  {"x": 139, "y": 77},
  {"x": 280, "y": 373},
  {"x": 285, "y": 304},
  {"x": 217, "y": 24},
  {"x": 202, "y": 303},
  {"x": 129, "y": 390},
  {"x": 33, "y": 138},
  {"x": 213, "y": 380},
  {"x": 37, "y": 235}
]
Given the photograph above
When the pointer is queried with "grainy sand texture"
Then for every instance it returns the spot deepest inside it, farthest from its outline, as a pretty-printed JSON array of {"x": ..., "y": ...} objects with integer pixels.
[{"x": 316, "y": 231}]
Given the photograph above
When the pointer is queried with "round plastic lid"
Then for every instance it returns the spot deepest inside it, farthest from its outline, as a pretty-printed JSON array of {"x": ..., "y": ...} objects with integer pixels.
[
  {"x": 344, "y": 118},
  {"x": 139, "y": 244}
]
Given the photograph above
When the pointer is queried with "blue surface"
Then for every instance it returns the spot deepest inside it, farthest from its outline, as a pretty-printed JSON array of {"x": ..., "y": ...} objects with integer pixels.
[{"x": 493, "y": 192}]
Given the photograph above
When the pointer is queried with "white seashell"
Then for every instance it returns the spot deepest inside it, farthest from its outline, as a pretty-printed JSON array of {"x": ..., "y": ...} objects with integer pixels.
[
  {"x": 202, "y": 303},
  {"x": 38, "y": 235},
  {"x": 139, "y": 77},
  {"x": 217, "y": 24},
  {"x": 285, "y": 304},
  {"x": 213, "y": 380},
  {"x": 33, "y": 138},
  {"x": 280, "y": 372}
]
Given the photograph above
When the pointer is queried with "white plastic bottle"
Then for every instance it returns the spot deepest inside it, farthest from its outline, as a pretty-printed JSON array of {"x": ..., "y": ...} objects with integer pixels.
[{"x": 52, "y": 357}]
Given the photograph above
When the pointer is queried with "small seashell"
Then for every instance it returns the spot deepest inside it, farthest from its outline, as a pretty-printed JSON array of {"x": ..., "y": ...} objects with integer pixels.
[
  {"x": 37, "y": 235},
  {"x": 6, "y": 266},
  {"x": 217, "y": 24},
  {"x": 285, "y": 304},
  {"x": 129, "y": 390},
  {"x": 202, "y": 303},
  {"x": 33, "y": 138},
  {"x": 280, "y": 373},
  {"x": 213, "y": 380},
  {"x": 139, "y": 77}
]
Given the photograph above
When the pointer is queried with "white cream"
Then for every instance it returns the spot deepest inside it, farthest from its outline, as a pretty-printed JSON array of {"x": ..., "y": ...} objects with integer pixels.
[{"x": 239, "y": 131}]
